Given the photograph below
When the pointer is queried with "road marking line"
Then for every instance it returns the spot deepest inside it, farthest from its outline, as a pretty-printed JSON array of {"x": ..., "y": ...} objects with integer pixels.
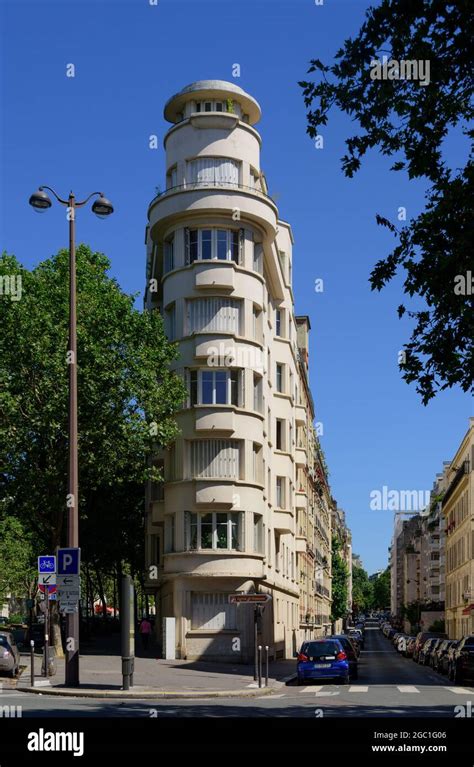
[
  {"x": 358, "y": 688},
  {"x": 326, "y": 694},
  {"x": 311, "y": 688},
  {"x": 407, "y": 688},
  {"x": 459, "y": 690},
  {"x": 266, "y": 697}
]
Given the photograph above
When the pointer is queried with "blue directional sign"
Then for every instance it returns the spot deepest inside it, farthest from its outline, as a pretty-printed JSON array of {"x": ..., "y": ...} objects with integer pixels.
[
  {"x": 69, "y": 561},
  {"x": 47, "y": 564}
]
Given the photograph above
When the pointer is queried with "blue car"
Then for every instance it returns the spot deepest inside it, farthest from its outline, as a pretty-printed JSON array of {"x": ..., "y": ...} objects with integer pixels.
[{"x": 322, "y": 659}]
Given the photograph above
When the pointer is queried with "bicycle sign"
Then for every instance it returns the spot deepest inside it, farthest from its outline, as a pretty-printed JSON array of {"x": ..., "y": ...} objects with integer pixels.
[{"x": 47, "y": 564}]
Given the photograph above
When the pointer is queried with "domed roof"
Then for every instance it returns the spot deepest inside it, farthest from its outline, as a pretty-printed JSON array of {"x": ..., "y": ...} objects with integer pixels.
[{"x": 212, "y": 89}]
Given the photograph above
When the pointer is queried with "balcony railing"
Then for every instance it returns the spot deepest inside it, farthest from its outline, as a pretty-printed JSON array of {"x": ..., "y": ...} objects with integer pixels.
[{"x": 189, "y": 186}]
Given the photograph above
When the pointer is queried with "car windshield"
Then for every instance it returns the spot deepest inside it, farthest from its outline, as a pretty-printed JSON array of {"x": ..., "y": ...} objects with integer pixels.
[
  {"x": 318, "y": 649},
  {"x": 469, "y": 641},
  {"x": 4, "y": 641}
]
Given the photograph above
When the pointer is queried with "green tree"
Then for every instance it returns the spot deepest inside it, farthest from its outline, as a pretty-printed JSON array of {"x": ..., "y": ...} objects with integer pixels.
[
  {"x": 362, "y": 596},
  {"x": 410, "y": 122},
  {"x": 340, "y": 582},
  {"x": 17, "y": 559},
  {"x": 381, "y": 591},
  {"x": 127, "y": 398}
]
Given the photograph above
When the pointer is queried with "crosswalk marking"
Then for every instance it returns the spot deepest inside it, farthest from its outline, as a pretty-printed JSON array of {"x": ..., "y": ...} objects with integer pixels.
[
  {"x": 358, "y": 688},
  {"x": 325, "y": 694},
  {"x": 311, "y": 688},
  {"x": 407, "y": 688},
  {"x": 459, "y": 690}
]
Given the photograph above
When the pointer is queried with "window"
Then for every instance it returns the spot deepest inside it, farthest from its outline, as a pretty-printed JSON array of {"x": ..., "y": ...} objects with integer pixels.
[
  {"x": 215, "y": 458},
  {"x": 213, "y": 315},
  {"x": 258, "y": 257},
  {"x": 280, "y": 492},
  {"x": 257, "y": 393},
  {"x": 169, "y": 254},
  {"x": 169, "y": 533},
  {"x": 257, "y": 330},
  {"x": 278, "y": 322},
  {"x": 214, "y": 244},
  {"x": 214, "y": 387},
  {"x": 213, "y": 170},
  {"x": 213, "y": 530},
  {"x": 155, "y": 550},
  {"x": 280, "y": 434},
  {"x": 258, "y": 533},
  {"x": 280, "y": 380},
  {"x": 172, "y": 177},
  {"x": 213, "y": 612},
  {"x": 170, "y": 322},
  {"x": 257, "y": 468}
]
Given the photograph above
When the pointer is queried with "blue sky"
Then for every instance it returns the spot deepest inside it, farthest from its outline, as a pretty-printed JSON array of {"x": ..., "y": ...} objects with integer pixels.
[{"x": 91, "y": 132}]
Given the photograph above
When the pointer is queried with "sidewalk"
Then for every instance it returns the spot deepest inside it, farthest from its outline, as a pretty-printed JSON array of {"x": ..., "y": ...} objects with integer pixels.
[{"x": 101, "y": 677}]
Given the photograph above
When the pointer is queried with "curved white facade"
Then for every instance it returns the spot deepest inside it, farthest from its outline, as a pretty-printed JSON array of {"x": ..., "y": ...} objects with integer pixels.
[{"x": 219, "y": 270}]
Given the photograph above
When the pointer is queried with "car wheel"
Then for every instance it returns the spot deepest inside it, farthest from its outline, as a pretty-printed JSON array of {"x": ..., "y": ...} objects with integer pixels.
[
  {"x": 345, "y": 679},
  {"x": 299, "y": 681}
]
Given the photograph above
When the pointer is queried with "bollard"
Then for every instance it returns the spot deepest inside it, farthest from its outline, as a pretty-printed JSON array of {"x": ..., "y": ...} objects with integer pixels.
[
  {"x": 46, "y": 655},
  {"x": 32, "y": 662},
  {"x": 260, "y": 665},
  {"x": 266, "y": 665}
]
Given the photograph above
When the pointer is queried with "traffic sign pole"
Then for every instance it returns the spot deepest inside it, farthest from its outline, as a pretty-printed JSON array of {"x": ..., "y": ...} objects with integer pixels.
[{"x": 69, "y": 565}]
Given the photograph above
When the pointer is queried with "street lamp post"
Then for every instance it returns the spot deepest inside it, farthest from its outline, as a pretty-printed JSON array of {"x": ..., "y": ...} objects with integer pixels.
[{"x": 101, "y": 207}]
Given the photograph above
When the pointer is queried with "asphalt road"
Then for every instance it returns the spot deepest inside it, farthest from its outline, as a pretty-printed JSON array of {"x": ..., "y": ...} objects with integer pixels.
[{"x": 388, "y": 685}]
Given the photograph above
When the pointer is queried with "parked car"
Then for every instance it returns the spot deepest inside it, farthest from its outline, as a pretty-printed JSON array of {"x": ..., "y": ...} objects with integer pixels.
[
  {"x": 9, "y": 654},
  {"x": 322, "y": 659},
  {"x": 433, "y": 651},
  {"x": 425, "y": 651},
  {"x": 421, "y": 639},
  {"x": 357, "y": 635},
  {"x": 461, "y": 666},
  {"x": 401, "y": 643},
  {"x": 439, "y": 653},
  {"x": 410, "y": 647},
  {"x": 447, "y": 659},
  {"x": 352, "y": 652}
]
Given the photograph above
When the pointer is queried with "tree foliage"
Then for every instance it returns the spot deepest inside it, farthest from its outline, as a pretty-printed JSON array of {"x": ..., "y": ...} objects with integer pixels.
[
  {"x": 340, "y": 582},
  {"x": 381, "y": 591},
  {"x": 17, "y": 571},
  {"x": 362, "y": 596},
  {"x": 124, "y": 386},
  {"x": 410, "y": 122}
]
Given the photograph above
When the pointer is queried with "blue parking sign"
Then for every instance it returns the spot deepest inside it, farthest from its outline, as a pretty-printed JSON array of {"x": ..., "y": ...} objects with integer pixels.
[
  {"x": 69, "y": 561},
  {"x": 47, "y": 564}
]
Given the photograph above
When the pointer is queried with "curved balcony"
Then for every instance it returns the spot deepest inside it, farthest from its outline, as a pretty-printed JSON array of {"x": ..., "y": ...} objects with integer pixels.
[{"x": 201, "y": 197}]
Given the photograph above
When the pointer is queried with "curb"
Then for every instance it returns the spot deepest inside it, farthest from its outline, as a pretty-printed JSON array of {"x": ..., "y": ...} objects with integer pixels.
[{"x": 152, "y": 694}]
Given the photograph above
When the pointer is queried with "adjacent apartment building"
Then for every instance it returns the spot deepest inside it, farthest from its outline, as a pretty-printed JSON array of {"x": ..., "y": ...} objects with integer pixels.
[
  {"x": 458, "y": 511},
  {"x": 245, "y": 505}
]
